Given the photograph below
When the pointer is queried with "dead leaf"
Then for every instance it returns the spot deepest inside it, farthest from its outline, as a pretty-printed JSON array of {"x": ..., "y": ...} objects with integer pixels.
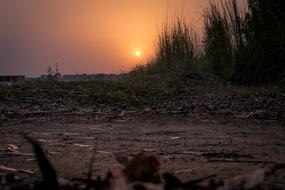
[{"x": 143, "y": 168}]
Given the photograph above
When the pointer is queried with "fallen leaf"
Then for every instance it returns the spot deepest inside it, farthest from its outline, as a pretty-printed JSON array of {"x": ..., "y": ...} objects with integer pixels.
[{"x": 143, "y": 168}]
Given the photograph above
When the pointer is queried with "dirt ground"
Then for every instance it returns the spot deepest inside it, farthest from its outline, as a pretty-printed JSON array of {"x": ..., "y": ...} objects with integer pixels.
[{"x": 190, "y": 147}]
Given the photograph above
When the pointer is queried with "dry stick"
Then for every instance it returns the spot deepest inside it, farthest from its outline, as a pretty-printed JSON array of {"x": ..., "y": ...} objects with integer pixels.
[
  {"x": 26, "y": 171},
  {"x": 48, "y": 172},
  {"x": 8, "y": 169},
  {"x": 15, "y": 170},
  {"x": 17, "y": 154},
  {"x": 90, "y": 169},
  {"x": 244, "y": 161},
  {"x": 12, "y": 150},
  {"x": 105, "y": 152}
]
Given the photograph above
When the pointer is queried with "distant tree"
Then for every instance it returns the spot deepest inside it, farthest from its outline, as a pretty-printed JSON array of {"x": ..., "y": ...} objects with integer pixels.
[
  {"x": 57, "y": 73},
  {"x": 53, "y": 73}
]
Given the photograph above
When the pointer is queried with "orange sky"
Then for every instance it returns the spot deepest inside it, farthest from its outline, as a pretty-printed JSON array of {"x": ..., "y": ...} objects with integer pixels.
[{"x": 83, "y": 36}]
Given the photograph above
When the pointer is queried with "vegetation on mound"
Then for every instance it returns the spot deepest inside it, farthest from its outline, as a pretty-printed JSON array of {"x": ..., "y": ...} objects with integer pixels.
[
  {"x": 132, "y": 91},
  {"x": 136, "y": 95},
  {"x": 243, "y": 42}
]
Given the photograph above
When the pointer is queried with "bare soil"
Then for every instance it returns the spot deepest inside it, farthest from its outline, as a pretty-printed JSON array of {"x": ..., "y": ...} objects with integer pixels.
[
  {"x": 189, "y": 146},
  {"x": 196, "y": 126}
]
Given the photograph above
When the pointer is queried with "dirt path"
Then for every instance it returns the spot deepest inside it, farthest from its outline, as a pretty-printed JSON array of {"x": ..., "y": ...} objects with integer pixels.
[{"x": 191, "y": 148}]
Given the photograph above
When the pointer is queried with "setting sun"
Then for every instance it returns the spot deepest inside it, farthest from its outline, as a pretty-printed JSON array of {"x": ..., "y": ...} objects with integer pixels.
[
  {"x": 138, "y": 53},
  {"x": 103, "y": 36}
]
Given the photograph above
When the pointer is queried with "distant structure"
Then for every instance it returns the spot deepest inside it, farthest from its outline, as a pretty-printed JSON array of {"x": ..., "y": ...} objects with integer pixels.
[
  {"x": 91, "y": 77},
  {"x": 12, "y": 79},
  {"x": 83, "y": 77}
]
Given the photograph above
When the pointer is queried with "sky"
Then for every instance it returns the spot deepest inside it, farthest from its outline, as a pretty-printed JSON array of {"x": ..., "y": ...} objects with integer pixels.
[{"x": 83, "y": 36}]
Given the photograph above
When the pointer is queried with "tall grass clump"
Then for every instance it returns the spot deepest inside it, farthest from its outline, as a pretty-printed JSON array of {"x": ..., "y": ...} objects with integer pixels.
[
  {"x": 265, "y": 50},
  {"x": 244, "y": 41},
  {"x": 175, "y": 47},
  {"x": 175, "y": 50},
  {"x": 224, "y": 37}
]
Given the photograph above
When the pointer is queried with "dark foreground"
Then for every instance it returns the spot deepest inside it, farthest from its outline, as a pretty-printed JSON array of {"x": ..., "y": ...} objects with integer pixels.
[{"x": 190, "y": 148}]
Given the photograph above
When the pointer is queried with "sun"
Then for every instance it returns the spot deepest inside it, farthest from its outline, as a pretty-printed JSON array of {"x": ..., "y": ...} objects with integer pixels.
[{"x": 138, "y": 53}]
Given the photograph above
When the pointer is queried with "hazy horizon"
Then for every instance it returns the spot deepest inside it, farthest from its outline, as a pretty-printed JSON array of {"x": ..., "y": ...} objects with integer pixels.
[{"x": 83, "y": 36}]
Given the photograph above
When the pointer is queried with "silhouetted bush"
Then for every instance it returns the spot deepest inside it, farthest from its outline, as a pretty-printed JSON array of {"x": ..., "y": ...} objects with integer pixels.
[
  {"x": 245, "y": 42},
  {"x": 223, "y": 37},
  {"x": 265, "y": 51}
]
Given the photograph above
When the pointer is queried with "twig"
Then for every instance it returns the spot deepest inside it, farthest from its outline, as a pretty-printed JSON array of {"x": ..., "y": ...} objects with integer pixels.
[
  {"x": 15, "y": 170},
  {"x": 83, "y": 145},
  {"x": 48, "y": 172},
  {"x": 244, "y": 161},
  {"x": 26, "y": 171},
  {"x": 183, "y": 171},
  {"x": 91, "y": 164},
  {"x": 8, "y": 169},
  {"x": 17, "y": 154},
  {"x": 104, "y": 152}
]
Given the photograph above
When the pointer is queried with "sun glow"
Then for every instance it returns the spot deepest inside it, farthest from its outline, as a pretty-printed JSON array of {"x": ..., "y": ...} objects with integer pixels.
[{"x": 138, "y": 53}]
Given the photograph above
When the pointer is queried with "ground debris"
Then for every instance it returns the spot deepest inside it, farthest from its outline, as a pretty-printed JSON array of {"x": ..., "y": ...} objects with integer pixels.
[
  {"x": 13, "y": 150},
  {"x": 14, "y": 170},
  {"x": 141, "y": 172},
  {"x": 124, "y": 100}
]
